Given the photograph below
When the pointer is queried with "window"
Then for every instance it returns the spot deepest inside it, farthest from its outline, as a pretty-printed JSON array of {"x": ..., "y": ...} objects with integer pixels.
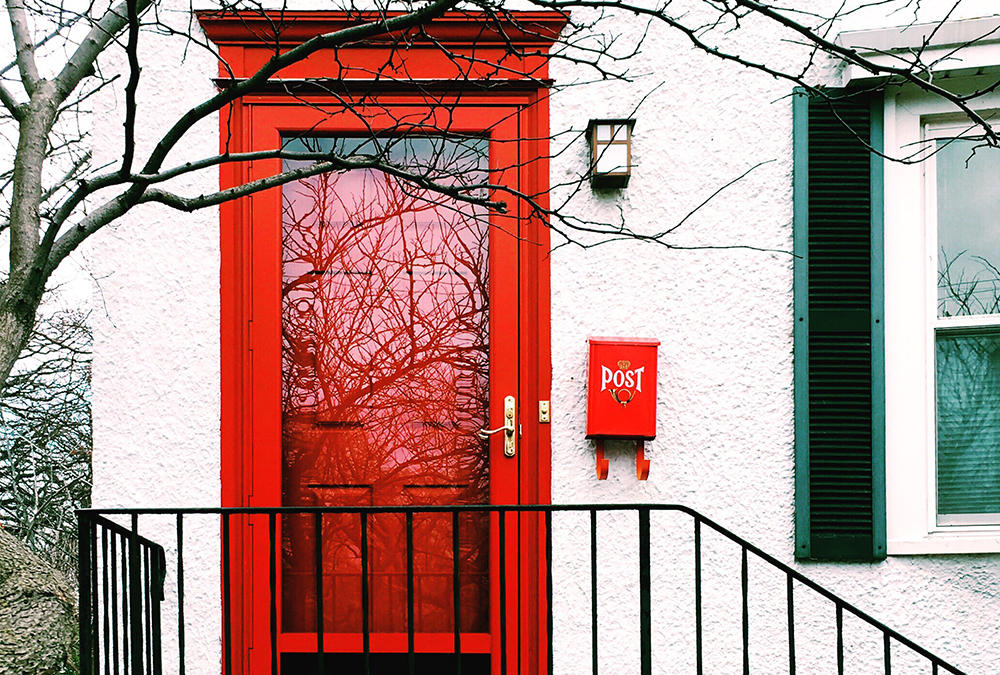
[
  {"x": 897, "y": 374},
  {"x": 897, "y": 330},
  {"x": 963, "y": 204},
  {"x": 942, "y": 299}
]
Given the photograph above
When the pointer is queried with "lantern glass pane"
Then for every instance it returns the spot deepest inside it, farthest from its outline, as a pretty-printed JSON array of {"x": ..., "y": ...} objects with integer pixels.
[
  {"x": 620, "y": 132},
  {"x": 603, "y": 132},
  {"x": 612, "y": 158}
]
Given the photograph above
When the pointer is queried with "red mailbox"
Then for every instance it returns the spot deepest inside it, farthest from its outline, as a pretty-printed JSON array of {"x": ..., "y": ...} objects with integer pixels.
[{"x": 621, "y": 396}]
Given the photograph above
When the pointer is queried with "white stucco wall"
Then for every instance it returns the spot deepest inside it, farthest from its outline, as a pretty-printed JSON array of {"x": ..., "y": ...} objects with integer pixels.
[
  {"x": 724, "y": 317},
  {"x": 156, "y": 344}
]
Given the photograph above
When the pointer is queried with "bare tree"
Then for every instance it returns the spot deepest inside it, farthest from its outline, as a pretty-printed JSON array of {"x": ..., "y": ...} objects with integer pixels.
[
  {"x": 45, "y": 470},
  {"x": 55, "y": 197},
  {"x": 45, "y": 438}
]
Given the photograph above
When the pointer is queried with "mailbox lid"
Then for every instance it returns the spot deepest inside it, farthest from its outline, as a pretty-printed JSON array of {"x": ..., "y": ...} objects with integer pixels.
[
  {"x": 621, "y": 387},
  {"x": 641, "y": 342}
]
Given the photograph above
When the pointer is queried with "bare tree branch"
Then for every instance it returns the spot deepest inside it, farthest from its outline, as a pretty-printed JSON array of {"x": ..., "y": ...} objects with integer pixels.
[
  {"x": 279, "y": 61},
  {"x": 9, "y": 102},
  {"x": 24, "y": 46},
  {"x": 133, "y": 84},
  {"x": 81, "y": 63},
  {"x": 917, "y": 77}
]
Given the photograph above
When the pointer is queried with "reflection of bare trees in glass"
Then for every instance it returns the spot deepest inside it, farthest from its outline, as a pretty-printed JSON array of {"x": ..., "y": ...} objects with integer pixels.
[
  {"x": 968, "y": 388},
  {"x": 968, "y": 421},
  {"x": 967, "y": 285},
  {"x": 385, "y": 382}
]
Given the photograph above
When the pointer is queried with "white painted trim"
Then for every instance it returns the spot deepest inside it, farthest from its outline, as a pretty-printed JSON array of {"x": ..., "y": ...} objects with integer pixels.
[
  {"x": 970, "y": 542},
  {"x": 966, "y": 47},
  {"x": 951, "y": 33},
  {"x": 911, "y": 118}
]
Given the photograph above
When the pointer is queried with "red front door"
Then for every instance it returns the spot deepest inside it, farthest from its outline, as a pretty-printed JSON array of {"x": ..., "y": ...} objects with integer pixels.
[{"x": 385, "y": 326}]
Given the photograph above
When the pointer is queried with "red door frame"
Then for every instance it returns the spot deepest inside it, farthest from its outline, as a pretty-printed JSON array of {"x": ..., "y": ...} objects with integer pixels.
[{"x": 242, "y": 48}]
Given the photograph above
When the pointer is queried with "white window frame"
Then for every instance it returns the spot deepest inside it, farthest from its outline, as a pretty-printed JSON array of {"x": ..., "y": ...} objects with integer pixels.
[
  {"x": 912, "y": 119},
  {"x": 934, "y": 129}
]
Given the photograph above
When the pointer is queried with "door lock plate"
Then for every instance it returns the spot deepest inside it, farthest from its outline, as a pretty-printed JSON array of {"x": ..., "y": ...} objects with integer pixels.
[{"x": 510, "y": 431}]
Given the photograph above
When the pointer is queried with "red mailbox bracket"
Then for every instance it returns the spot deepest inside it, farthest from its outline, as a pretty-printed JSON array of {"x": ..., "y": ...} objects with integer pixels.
[{"x": 621, "y": 396}]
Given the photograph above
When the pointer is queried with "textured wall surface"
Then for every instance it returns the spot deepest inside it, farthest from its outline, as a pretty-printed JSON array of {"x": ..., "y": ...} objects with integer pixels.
[
  {"x": 723, "y": 315},
  {"x": 156, "y": 344}
]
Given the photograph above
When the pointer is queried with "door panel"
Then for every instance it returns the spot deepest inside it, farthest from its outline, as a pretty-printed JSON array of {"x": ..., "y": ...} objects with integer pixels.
[{"x": 384, "y": 334}]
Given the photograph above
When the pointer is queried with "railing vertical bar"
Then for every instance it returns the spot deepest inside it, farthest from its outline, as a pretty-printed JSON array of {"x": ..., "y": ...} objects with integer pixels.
[
  {"x": 790, "y": 596},
  {"x": 114, "y": 602},
  {"x": 698, "y": 626},
  {"x": 456, "y": 591},
  {"x": 365, "y": 628},
  {"x": 126, "y": 620},
  {"x": 83, "y": 545},
  {"x": 745, "y": 587},
  {"x": 272, "y": 576},
  {"x": 502, "y": 543},
  {"x": 934, "y": 668},
  {"x": 157, "y": 566},
  {"x": 593, "y": 592},
  {"x": 840, "y": 639},
  {"x": 645, "y": 603},
  {"x": 135, "y": 597},
  {"x": 887, "y": 653},
  {"x": 104, "y": 593},
  {"x": 227, "y": 611},
  {"x": 180, "y": 594},
  {"x": 92, "y": 545},
  {"x": 411, "y": 657},
  {"x": 147, "y": 597},
  {"x": 318, "y": 568},
  {"x": 548, "y": 591}
]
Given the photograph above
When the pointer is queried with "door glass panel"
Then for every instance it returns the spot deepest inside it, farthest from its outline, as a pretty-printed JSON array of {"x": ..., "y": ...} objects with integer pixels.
[{"x": 384, "y": 384}]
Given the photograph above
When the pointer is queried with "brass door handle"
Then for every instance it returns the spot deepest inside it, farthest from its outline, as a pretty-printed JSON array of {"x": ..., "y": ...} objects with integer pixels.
[
  {"x": 486, "y": 433},
  {"x": 509, "y": 428}
]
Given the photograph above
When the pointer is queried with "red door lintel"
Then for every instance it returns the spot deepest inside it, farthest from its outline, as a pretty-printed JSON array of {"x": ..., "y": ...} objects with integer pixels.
[{"x": 455, "y": 47}]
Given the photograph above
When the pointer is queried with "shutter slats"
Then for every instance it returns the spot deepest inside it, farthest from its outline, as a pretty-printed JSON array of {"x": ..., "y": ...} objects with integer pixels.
[{"x": 838, "y": 399}]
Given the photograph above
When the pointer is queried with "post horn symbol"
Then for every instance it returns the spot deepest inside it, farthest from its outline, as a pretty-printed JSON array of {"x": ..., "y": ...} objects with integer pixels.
[{"x": 620, "y": 395}]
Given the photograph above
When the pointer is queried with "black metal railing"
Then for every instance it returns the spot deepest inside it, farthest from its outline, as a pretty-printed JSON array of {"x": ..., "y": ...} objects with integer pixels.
[
  {"x": 121, "y": 577},
  {"x": 122, "y": 574}
]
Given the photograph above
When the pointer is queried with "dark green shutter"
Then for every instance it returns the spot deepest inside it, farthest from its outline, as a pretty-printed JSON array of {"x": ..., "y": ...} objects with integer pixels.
[{"x": 839, "y": 379}]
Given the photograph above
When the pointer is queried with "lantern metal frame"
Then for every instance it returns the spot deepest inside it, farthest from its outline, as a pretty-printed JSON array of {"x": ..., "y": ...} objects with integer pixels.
[{"x": 610, "y": 179}]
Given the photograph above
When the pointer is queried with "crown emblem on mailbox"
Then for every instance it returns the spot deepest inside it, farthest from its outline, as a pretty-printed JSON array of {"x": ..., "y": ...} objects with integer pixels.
[{"x": 623, "y": 364}]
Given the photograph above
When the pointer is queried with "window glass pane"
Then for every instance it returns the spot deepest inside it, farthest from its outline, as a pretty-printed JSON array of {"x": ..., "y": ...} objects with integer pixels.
[
  {"x": 968, "y": 423},
  {"x": 968, "y": 209},
  {"x": 612, "y": 158}
]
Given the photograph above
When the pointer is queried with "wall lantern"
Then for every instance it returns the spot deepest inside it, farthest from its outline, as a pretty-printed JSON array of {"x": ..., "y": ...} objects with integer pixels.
[{"x": 610, "y": 152}]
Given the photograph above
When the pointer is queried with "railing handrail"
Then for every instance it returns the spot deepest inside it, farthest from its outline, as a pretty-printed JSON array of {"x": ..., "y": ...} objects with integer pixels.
[
  {"x": 699, "y": 518},
  {"x": 98, "y": 518}
]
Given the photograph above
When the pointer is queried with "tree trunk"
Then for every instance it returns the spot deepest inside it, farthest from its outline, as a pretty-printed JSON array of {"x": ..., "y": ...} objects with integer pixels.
[
  {"x": 15, "y": 329},
  {"x": 38, "y": 615}
]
